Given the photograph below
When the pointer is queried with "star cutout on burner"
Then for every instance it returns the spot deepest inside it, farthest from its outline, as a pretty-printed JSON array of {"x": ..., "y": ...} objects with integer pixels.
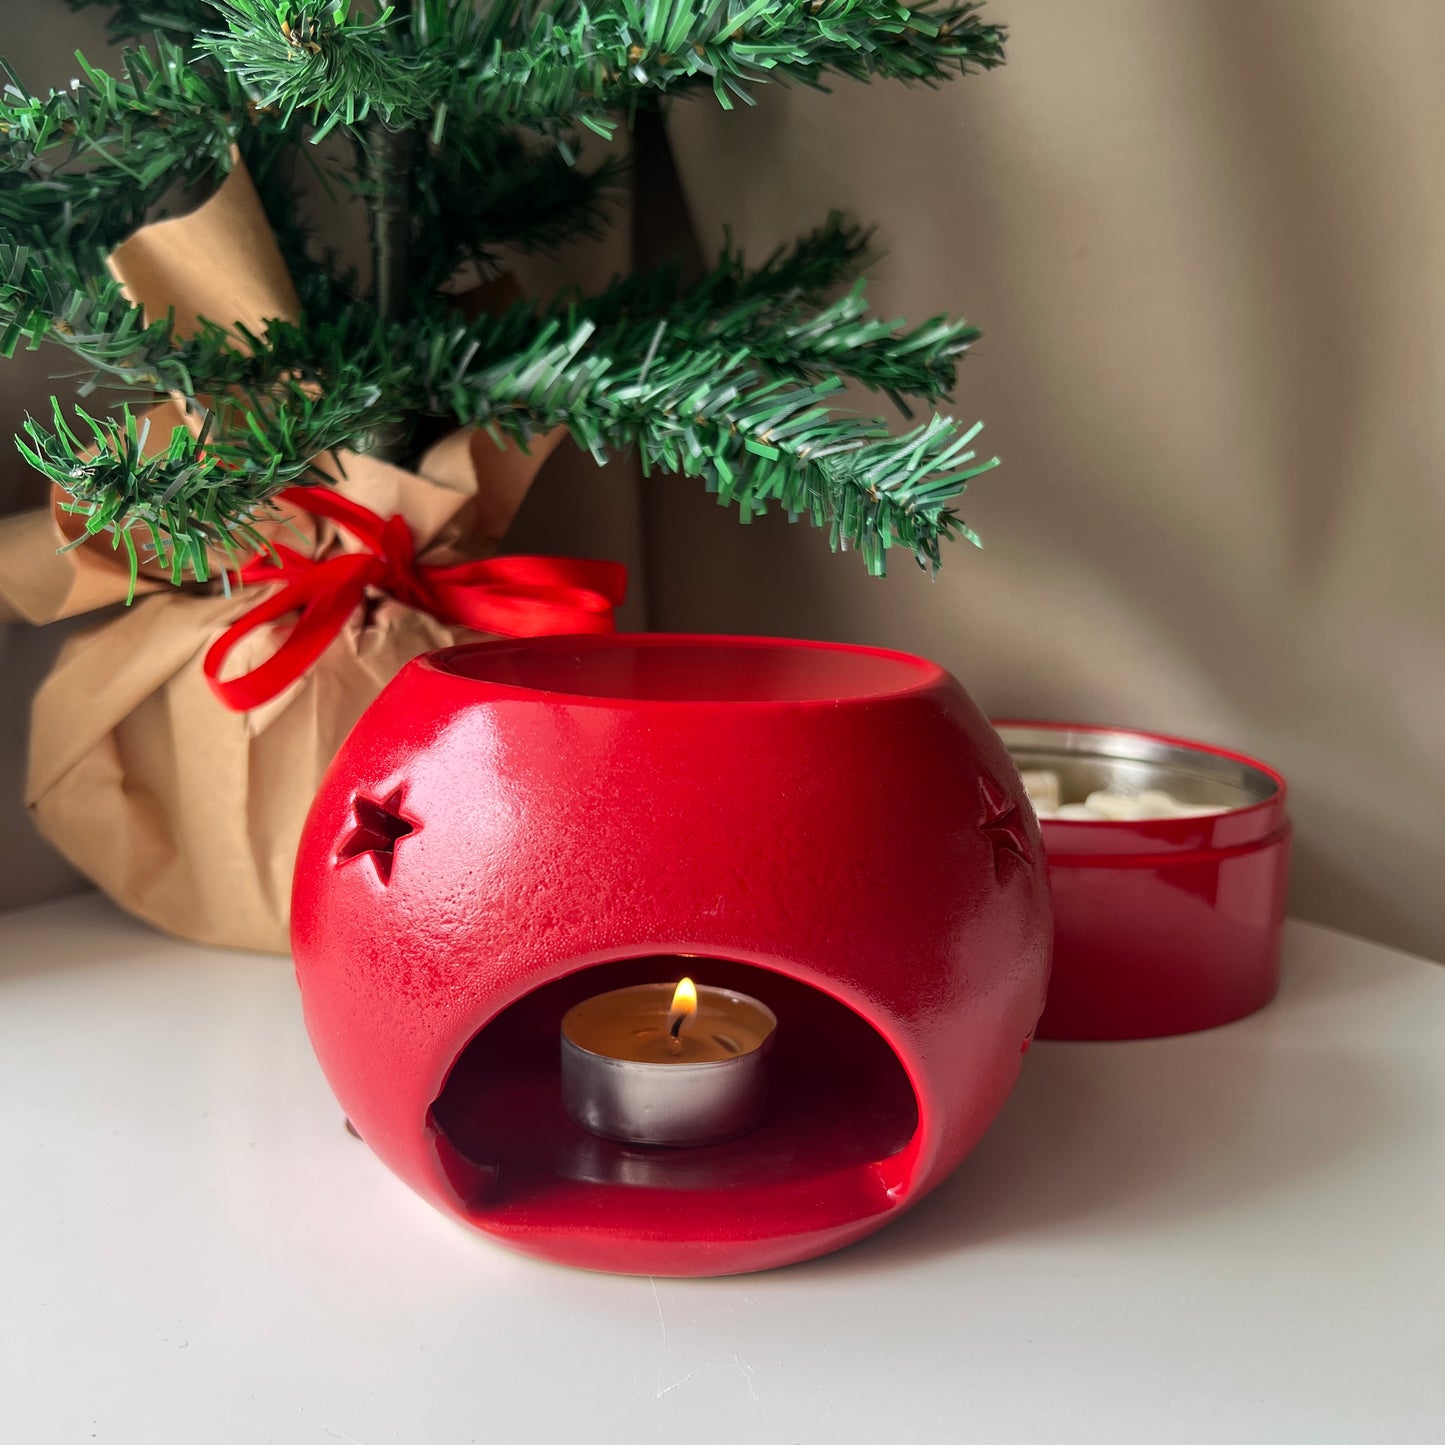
[
  {"x": 379, "y": 828},
  {"x": 1002, "y": 825}
]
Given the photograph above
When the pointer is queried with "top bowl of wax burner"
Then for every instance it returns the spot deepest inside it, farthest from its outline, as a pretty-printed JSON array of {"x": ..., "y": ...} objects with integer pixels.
[{"x": 1168, "y": 861}]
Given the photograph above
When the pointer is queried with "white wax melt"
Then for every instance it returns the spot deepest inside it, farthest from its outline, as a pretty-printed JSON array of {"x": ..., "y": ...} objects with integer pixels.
[
  {"x": 1106, "y": 806},
  {"x": 1042, "y": 786},
  {"x": 1125, "y": 809},
  {"x": 1103, "y": 805}
]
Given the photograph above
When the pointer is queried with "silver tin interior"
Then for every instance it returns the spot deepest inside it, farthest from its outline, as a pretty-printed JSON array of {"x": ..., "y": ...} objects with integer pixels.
[{"x": 1123, "y": 762}]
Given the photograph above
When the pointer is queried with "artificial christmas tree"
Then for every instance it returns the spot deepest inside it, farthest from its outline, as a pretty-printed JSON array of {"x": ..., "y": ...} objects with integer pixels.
[
  {"x": 461, "y": 124},
  {"x": 154, "y": 225}
]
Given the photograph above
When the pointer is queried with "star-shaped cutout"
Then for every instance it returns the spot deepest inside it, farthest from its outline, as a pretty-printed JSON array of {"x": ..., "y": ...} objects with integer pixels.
[
  {"x": 1002, "y": 825},
  {"x": 379, "y": 828}
]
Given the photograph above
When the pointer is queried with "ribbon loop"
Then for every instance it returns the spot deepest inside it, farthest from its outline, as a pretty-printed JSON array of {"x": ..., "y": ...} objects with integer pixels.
[{"x": 509, "y": 596}]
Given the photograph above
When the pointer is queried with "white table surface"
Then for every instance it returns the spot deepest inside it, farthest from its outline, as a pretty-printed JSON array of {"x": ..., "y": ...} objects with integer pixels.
[{"x": 1234, "y": 1237}]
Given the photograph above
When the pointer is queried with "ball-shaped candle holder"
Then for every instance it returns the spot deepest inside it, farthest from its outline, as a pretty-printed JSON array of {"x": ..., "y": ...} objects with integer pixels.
[{"x": 513, "y": 828}]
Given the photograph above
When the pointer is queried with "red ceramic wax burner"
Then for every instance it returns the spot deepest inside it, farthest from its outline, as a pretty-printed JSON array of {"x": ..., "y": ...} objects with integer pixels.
[
  {"x": 1163, "y": 926},
  {"x": 513, "y": 827}
]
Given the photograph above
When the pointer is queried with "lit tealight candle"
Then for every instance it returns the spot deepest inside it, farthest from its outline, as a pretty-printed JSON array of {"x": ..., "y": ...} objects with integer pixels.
[{"x": 656, "y": 1064}]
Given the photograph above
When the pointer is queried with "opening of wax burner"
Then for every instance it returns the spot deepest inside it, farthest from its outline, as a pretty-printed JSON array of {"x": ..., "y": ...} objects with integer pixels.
[
  {"x": 663, "y": 1064},
  {"x": 841, "y": 1116}
]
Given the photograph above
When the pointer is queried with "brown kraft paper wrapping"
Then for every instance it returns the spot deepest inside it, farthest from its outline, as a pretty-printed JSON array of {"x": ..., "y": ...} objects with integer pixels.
[{"x": 186, "y": 813}]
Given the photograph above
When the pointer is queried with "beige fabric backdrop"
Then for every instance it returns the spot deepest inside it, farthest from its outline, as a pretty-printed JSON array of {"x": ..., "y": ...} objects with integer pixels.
[
  {"x": 1206, "y": 239},
  {"x": 1206, "y": 242}
]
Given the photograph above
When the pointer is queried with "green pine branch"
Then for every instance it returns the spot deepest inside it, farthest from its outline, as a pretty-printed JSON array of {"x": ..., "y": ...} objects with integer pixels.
[
  {"x": 773, "y": 312},
  {"x": 485, "y": 191},
  {"x": 558, "y": 63},
  {"x": 204, "y": 491},
  {"x": 777, "y": 312},
  {"x": 316, "y": 59},
  {"x": 755, "y": 441},
  {"x": 340, "y": 346},
  {"x": 82, "y": 167},
  {"x": 801, "y": 272},
  {"x": 726, "y": 381},
  {"x": 570, "y": 62}
]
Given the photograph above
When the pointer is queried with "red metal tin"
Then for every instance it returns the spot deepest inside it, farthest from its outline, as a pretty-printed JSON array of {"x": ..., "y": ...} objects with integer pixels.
[
  {"x": 1168, "y": 925},
  {"x": 513, "y": 827}
]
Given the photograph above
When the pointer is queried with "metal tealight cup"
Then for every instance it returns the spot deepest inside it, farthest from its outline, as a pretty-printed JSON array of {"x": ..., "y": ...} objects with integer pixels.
[{"x": 673, "y": 1104}]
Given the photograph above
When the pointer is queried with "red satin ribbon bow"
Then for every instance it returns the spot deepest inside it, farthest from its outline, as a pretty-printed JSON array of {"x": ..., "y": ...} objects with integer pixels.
[{"x": 509, "y": 596}]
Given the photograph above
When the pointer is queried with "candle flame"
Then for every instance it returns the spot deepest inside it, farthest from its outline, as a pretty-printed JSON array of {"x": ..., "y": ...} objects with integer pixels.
[{"x": 684, "y": 999}]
